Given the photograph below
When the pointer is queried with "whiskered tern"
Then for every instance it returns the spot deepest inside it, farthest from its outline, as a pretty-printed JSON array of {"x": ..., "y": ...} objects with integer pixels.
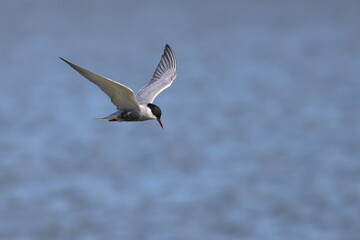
[{"x": 137, "y": 107}]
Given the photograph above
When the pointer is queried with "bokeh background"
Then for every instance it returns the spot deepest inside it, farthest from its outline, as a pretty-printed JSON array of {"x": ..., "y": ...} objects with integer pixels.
[{"x": 261, "y": 138}]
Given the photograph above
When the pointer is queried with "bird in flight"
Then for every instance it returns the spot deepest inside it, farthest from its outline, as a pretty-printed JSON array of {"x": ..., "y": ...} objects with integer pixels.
[{"x": 137, "y": 107}]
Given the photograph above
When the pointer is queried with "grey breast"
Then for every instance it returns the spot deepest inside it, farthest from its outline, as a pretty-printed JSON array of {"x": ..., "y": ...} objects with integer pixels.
[{"x": 130, "y": 116}]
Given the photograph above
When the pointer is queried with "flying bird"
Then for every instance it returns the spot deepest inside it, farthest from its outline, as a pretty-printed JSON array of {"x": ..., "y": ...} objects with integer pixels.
[{"x": 137, "y": 107}]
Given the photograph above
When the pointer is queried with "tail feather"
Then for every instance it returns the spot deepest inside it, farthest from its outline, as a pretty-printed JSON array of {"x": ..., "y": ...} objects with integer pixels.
[
  {"x": 108, "y": 117},
  {"x": 112, "y": 117}
]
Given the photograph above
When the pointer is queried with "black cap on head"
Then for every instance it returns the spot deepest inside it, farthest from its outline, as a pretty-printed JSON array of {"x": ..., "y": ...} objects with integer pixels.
[{"x": 155, "y": 110}]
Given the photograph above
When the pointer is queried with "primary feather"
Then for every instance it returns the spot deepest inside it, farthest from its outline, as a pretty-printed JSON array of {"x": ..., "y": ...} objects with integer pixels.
[
  {"x": 121, "y": 96},
  {"x": 162, "y": 78}
]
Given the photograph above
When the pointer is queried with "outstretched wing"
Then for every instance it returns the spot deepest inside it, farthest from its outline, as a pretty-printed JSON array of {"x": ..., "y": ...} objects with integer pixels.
[
  {"x": 164, "y": 75},
  {"x": 121, "y": 96}
]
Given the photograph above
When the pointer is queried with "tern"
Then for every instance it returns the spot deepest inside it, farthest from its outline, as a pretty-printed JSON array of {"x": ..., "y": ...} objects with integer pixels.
[{"x": 137, "y": 107}]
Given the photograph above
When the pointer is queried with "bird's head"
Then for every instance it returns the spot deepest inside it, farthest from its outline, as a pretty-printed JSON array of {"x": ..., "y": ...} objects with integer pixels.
[{"x": 156, "y": 111}]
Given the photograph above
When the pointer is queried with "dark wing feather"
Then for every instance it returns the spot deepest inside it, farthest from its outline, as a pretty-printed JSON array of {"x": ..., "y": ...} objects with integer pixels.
[{"x": 162, "y": 78}]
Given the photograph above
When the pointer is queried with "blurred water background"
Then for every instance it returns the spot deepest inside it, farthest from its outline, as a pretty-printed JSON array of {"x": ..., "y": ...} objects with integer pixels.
[{"x": 261, "y": 138}]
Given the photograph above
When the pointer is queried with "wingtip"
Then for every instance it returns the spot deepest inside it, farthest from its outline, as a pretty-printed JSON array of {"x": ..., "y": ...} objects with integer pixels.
[
  {"x": 167, "y": 46},
  {"x": 168, "y": 49},
  {"x": 64, "y": 59},
  {"x": 68, "y": 62}
]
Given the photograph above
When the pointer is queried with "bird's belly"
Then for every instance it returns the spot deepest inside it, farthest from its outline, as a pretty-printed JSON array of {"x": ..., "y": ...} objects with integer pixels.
[
  {"x": 129, "y": 116},
  {"x": 132, "y": 116}
]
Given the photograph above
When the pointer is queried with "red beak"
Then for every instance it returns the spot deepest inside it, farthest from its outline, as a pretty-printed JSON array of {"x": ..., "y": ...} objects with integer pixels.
[{"x": 158, "y": 119}]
